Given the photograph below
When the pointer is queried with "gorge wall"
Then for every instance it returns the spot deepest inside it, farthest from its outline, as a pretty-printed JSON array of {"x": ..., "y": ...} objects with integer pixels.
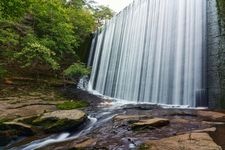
[{"x": 216, "y": 53}]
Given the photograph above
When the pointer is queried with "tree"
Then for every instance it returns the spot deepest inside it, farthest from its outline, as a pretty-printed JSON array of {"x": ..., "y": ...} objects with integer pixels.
[
  {"x": 52, "y": 26},
  {"x": 46, "y": 33},
  {"x": 102, "y": 13}
]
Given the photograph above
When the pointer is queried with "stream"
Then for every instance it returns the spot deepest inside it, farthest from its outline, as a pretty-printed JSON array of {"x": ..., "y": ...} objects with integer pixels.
[
  {"x": 113, "y": 135},
  {"x": 95, "y": 120}
]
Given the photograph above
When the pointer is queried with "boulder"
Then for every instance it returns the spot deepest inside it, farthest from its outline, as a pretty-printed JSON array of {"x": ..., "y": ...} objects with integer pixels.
[
  {"x": 212, "y": 116},
  {"x": 154, "y": 122},
  {"x": 61, "y": 120},
  {"x": 192, "y": 141}
]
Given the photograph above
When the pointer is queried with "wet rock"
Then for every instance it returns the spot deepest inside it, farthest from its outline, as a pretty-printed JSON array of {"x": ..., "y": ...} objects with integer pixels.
[
  {"x": 212, "y": 116},
  {"x": 85, "y": 143},
  {"x": 60, "y": 120},
  {"x": 141, "y": 106},
  {"x": 193, "y": 141},
  {"x": 180, "y": 120},
  {"x": 213, "y": 123},
  {"x": 181, "y": 112},
  {"x": 213, "y": 129},
  {"x": 129, "y": 117},
  {"x": 13, "y": 130},
  {"x": 155, "y": 122}
]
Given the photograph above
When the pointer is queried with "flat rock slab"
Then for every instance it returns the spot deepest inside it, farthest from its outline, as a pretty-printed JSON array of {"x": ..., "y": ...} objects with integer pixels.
[
  {"x": 65, "y": 114},
  {"x": 154, "y": 122},
  {"x": 60, "y": 120},
  {"x": 193, "y": 141},
  {"x": 212, "y": 116}
]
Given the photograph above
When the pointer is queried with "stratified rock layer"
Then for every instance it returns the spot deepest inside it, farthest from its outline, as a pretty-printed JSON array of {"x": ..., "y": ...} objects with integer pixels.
[{"x": 192, "y": 141}]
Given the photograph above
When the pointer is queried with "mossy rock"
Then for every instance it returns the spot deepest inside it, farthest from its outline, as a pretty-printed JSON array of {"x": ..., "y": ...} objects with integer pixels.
[{"x": 61, "y": 120}]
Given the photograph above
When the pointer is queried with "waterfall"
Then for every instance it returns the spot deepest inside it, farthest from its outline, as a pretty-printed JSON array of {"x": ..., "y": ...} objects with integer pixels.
[{"x": 152, "y": 51}]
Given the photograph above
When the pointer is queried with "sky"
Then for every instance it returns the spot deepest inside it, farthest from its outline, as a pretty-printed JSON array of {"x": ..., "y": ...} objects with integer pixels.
[{"x": 116, "y": 5}]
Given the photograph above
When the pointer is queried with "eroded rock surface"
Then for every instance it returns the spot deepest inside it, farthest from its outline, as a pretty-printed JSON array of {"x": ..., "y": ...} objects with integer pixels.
[
  {"x": 212, "y": 116},
  {"x": 192, "y": 141},
  {"x": 149, "y": 123}
]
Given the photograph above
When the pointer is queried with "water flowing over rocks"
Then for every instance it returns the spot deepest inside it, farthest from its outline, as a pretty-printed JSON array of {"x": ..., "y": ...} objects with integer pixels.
[
  {"x": 165, "y": 128},
  {"x": 12, "y": 130},
  {"x": 107, "y": 126}
]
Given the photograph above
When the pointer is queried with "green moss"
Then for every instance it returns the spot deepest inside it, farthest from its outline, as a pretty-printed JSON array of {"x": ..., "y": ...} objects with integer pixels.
[
  {"x": 51, "y": 125},
  {"x": 2, "y": 120},
  {"x": 72, "y": 105},
  {"x": 144, "y": 147}
]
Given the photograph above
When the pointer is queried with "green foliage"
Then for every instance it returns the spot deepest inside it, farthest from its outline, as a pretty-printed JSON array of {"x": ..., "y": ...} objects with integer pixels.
[
  {"x": 47, "y": 33},
  {"x": 9, "y": 38},
  {"x": 72, "y": 105},
  {"x": 53, "y": 27},
  {"x": 83, "y": 23},
  {"x": 35, "y": 54},
  {"x": 11, "y": 9},
  {"x": 76, "y": 70},
  {"x": 102, "y": 13}
]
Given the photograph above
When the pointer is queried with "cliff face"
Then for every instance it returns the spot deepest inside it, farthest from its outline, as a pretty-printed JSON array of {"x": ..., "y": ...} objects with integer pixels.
[{"x": 216, "y": 53}]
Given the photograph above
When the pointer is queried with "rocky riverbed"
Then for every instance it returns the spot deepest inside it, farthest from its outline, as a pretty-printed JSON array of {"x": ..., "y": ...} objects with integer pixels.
[{"x": 31, "y": 120}]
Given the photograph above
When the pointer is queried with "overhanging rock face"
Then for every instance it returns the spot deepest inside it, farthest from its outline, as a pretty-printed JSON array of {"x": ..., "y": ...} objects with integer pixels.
[{"x": 216, "y": 53}]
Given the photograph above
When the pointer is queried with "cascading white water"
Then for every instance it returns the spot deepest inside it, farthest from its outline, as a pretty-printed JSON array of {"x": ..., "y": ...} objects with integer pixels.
[{"x": 153, "y": 51}]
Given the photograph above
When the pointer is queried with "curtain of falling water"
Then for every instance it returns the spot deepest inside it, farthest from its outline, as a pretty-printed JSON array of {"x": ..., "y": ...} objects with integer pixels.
[{"x": 153, "y": 51}]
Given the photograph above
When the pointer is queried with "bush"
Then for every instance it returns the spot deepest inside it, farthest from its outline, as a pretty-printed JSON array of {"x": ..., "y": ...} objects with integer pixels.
[
  {"x": 76, "y": 71},
  {"x": 35, "y": 55}
]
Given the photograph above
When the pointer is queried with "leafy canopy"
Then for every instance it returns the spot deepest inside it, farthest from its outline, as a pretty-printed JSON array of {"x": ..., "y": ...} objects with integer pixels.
[{"x": 47, "y": 33}]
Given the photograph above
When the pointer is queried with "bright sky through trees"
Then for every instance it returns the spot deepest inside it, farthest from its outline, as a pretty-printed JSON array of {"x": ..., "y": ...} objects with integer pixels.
[{"x": 116, "y": 5}]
